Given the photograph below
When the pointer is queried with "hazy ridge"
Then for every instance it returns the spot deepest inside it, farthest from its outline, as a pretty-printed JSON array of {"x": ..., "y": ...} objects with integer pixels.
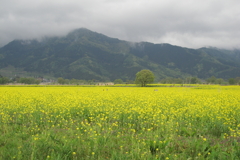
[{"x": 83, "y": 54}]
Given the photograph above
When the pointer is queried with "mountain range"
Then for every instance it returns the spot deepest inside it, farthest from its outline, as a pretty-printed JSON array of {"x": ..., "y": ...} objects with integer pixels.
[{"x": 84, "y": 54}]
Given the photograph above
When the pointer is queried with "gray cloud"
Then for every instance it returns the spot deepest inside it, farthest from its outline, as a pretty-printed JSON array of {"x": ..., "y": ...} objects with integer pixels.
[{"x": 187, "y": 23}]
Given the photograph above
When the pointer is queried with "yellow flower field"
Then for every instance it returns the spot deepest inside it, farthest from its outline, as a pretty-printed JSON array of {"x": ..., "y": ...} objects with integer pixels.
[{"x": 120, "y": 122}]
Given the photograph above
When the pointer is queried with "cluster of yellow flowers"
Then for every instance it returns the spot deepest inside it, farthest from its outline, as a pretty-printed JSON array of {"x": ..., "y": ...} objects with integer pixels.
[
  {"x": 101, "y": 111},
  {"x": 145, "y": 105}
]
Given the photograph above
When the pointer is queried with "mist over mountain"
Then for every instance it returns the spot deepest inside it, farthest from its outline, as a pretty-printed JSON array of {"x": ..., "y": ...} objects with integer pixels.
[{"x": 84, "y": 54}]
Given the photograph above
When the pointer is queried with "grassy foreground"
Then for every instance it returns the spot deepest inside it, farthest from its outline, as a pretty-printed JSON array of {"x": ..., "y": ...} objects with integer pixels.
[{"x": 120, "y": 123}]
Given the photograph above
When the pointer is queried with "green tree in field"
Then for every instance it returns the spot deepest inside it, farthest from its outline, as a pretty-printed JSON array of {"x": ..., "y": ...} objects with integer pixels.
[
  {"x": 232, "y": 81},
  {"x": 211, "y": 80},
  {"x": 4, "y": 80},
  {"x": 144, "y": 77},
  {"x": 194, "y": 80},
  {"x": 238, "y": 80},
  {"x": 29, "y": 80},
  {"x": 170, "y": 80},
  {"x": 118, "y": 81},
  {"x": 61, "y": 80},
  {"x": 130, "y": 82},
  {"x": 219, "y": 81},
  {"x": 74, "y": 81}
]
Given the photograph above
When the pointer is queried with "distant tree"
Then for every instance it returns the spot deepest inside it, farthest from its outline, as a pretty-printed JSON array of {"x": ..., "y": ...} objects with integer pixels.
[
  {"x": 219, "y": 81},
  {"x": 82, "y": 82},
  {"x": 4, "y": 80},
  {"x": 178, "y": 81},
  {"x": 74, "y": 81},
  {"x": 118, "y": 81},
  {"x": 16, "y": 79},
  {"x": 37, "y": 81},
  {"x": 232, "y": 81},
  {"x": 144, "y": 77},
  {"x": 194, "y": 80},
  {"x": 187, "y": 80},
  {"x": 171, "y": 81},
  {"x": 66, "y": 81},
  {"x": 211, "y": 80},
  {"x": 167, "y": 80},
  {"x": 237, "y": 80},
  {"x": 61, "y": 80},
  {"x": 90, "y": 82},
  {"x": 29, "y": 80},
  {"x": 130, "y": 82}
]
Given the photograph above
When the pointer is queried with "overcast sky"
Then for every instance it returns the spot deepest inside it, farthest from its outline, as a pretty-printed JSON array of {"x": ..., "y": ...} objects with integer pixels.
[{"x": 187, "y": 23}]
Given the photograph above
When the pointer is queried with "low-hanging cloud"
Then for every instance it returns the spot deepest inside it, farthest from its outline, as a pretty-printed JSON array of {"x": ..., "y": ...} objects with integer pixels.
[{"x": 187, "y": 23}]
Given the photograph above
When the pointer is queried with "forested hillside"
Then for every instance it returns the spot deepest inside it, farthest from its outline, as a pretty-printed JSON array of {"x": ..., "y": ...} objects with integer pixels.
[{"x": 83, "y": 54}]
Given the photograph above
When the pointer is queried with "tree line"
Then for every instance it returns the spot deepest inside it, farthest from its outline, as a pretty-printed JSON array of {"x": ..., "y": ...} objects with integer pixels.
[
  {"x": 73, "y": 81},
  {"x": 195, "y": 80},
  {"x": 61, "y": 80},
  {"x": 142, "y": 77},
  {"x": 17, "y": 79}
]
